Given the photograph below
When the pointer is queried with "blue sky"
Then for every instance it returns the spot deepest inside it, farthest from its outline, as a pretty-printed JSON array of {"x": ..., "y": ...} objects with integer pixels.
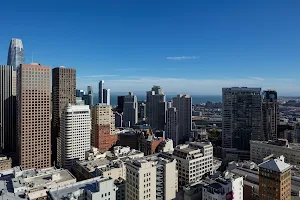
[{"x": 189, "y": 46}]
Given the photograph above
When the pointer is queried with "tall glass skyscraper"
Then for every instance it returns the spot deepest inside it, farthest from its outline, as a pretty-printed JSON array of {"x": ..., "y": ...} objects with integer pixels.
[{"x": 15, "y": 53}]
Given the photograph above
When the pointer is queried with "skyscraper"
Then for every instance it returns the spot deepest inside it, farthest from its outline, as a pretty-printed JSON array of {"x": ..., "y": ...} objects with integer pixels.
[
  {"x": 79, "y": 93},
  {"x": 33, "y": 116},
  {"x": 130, "y": 114},
  {"x": 172, "y": 125},
  {"x": 75, "y": 136},
  {"x": 106, "y": 96},
  {"x": 101, "y": 87},
  {"x": 15, "y": 53},
  {"x": 89, "y": 97},
  {"x": 156, "y": 108},
  {"x": 270, "y": 114},
  {"x": 183, "y": 105},
  {"x": 103, "y": 134},
  {"x": 120, "y": 106},
  {"x": 142, "y": 110},
  {"x": 7, "y": 110},
  {"x": 242, "y": 117},
  {"x": 63, "y": 93}
]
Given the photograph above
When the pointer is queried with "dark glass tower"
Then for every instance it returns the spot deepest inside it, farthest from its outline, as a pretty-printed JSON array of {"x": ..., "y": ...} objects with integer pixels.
[
  {"x": 15, "y": 53},
  {"x": 270, "y": 114}
]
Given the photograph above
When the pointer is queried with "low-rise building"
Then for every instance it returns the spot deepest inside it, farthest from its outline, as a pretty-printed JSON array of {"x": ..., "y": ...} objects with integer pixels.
[
  {"x": 5, "y": 162},
  {"x": 229, "y": 186},
  {"x": 259, "y": 150},
  {"x": 33, "y": 184},
  {"x": 92, "y": 189},
  {"x": 152, "y": 177},
  {"x": 193, "y": 161}
]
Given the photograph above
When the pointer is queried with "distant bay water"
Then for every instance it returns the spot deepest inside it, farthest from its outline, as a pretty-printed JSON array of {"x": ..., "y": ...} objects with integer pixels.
[{"x": 196, "y": 99}]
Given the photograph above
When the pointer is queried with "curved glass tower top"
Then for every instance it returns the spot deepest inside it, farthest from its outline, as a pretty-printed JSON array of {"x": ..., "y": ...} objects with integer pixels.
[{"x": 15, "y": 53}]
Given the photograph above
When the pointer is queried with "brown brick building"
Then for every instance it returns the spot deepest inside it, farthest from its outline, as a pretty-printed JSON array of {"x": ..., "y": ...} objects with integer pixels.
[
  {"x": 274, "y": 180},
  {"x": 103, "y": 127},
  {"x": 63, "y": 92},
  {"x": 33, "y": 116}
]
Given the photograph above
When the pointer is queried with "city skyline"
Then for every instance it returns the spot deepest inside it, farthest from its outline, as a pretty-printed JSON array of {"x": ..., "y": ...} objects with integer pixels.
[{"x": 216, "y": 44}]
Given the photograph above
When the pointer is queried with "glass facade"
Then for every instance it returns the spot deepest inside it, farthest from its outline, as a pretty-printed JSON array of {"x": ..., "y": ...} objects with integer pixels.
[{"x": 15, "y": 53}]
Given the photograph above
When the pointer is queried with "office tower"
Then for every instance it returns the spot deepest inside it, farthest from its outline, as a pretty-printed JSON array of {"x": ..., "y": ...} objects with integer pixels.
[
  {"x": 80, "y": 93},
  {"x": 15, "y": 53},
  {"x": 118, "y": 119},
  {"x": 106, "y": 96},
  {"x": 130, "y": 113},
  {"x": 63, "y": 93},
  {"x": 142, "y": 111},
  {"x": 7, "y": 110},
  {"x": 33, "y": 116},
  {"x": 152, "y": 178},
  {"x": 183, "y": 105},
  {"x": 193, "y": 161},
  {"x": 242, "y": 117},
  {"x": 103, "y": 134},
  {"x": 156, "y": 108},
  {"x": 172, "y": 125},
  {"x": 120, "y": 106},
  {"x": 75, "y": 135},
  {"x": 101, "y": 95},
  {"x": 275, "y": 180},
  {"x": 270, "y": 114}
]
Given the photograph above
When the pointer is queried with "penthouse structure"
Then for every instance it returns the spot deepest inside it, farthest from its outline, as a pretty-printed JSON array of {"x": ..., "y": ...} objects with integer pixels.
[{"x": 194, "y": 160}]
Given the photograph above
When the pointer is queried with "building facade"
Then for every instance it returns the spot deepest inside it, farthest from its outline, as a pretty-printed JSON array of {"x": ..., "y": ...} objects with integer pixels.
[
  {"x": 130, "y": 113},
  {"x": 183, "y": 105},
  {"x": 33, "y": 116},
  {"x": 120, "y": 106},
  {"x": 75, "y": 137},
  {"x": 274, "y": 180},
  {"x": 15, "y": 53},
  {"x": 63, "y": 93},
  {"x": 242, "y": 117},
  {"x": 151, "y": 178},
  {"x": 260, "y": 150},
  {"x": 270, "y": 114},
  {"x": 193, "y": 161},
  {"x": 142, "y": 111},
  {"x": 103, "y": 127},
  {"x": 7, "y": 107},
  {"x": 156, "y": 108}
]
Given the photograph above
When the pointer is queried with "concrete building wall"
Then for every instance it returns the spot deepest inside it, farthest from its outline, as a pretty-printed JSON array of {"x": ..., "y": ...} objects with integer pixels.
[{"x": 130, "y": 112}]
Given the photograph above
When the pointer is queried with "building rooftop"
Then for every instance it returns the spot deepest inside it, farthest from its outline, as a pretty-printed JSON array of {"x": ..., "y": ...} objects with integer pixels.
[
  {"x": 73, "y": 191},
  {"x": 275, "y": 165}
]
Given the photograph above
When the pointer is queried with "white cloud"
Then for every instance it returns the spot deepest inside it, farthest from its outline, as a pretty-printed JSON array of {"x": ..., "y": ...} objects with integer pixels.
[
  {"x": 182, "y": 57},
  {"x": 194, "y": 86},
  {"x": 257, "y": 78}
]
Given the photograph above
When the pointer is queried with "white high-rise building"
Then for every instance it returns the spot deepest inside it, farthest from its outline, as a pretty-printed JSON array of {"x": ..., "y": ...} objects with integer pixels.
[
  {"x": 75, "y": 130},
  {"x": 193, "y": 161},
  {"x": 183, "y": 105},
  {"x": 130, "y": 110},
  {"x": 151, "y": 178},
  {"x": 172, "y": 125},
  {"x": 106, "y": 96}
]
